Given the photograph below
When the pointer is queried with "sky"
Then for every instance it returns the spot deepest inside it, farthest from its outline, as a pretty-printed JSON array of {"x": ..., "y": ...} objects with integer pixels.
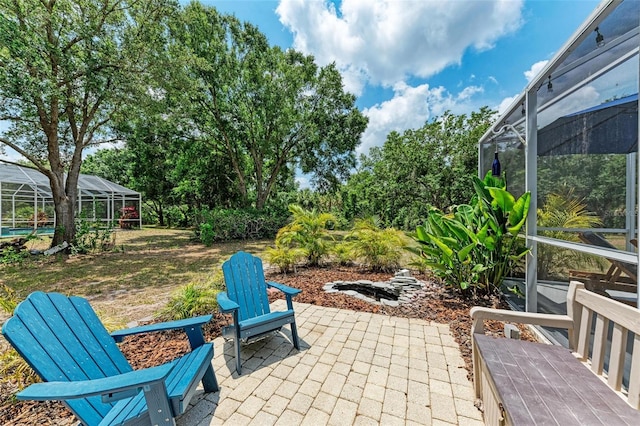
[{"x": 409, "y": 61}]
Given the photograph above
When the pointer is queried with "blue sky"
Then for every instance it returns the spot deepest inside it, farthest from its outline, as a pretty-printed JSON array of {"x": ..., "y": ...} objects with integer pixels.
[{"x": 408, "y": 61}]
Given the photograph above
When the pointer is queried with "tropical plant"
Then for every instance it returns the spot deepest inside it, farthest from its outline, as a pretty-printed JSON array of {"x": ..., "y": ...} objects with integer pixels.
[
  {"x": 194, "y": 298},
  {"x": 307, "y": 231},
  {"x": 379, "y": 249},
  {"x": 563, "y": 211},
  {"x": 343, "y": 253},
  {"x": 283, "y": 257},
  {"x": 477, "y": 244}
]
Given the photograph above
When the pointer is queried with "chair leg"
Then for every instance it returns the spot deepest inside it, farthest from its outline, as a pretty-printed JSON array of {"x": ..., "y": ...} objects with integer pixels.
[
  {"x": 209, "y": 381},
  {"x": 294, "y": 335},
  {"x": 236, "y": 344}
]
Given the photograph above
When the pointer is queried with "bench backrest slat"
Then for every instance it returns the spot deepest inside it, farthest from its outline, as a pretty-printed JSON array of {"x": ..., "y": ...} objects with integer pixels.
[
  {"x": 634, "y": 381},
  {"x": 584, "y": 336},
  {"x": 616, "y": 359},
  {"x": 599, "y": 344},
  {"x": 625, "y": 315},
  {"x": 621, "y": 319}
]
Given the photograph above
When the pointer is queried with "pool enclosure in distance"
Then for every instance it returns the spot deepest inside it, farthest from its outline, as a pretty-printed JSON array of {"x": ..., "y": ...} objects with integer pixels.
[
  {"x": 26, "y": 203},
  {"x": 571, "y": 138}
]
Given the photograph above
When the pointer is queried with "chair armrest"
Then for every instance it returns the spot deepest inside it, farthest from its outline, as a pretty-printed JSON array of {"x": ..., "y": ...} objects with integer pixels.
[
  {"x": 547, "y": 320},
  {"x": 225, "y": 304},
  {"x": 186, "y": 324},
  {"x": 290, "y": 291},
  {"x": 106, "y": 386}
]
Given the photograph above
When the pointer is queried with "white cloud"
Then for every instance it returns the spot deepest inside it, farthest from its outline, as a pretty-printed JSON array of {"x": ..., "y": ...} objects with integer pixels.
[
  {"x": 535, "y": 69},
  {"x": 385, "y": 41},
  {"x": 410, "y": 108},
  {"x": 505, "y": 103}
]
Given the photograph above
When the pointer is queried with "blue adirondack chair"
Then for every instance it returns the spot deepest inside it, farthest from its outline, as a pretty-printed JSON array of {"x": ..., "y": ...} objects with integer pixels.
[
  {"x": 64, "y": 341},
  {"x": 246, "y": 298}
]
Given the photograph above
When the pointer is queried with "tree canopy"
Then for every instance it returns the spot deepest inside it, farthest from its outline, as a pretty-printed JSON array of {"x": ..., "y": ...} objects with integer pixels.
[
  {"x": 268, "y": 110},
  {"x": 67, "y": 67},
  {"x": 431, "y": 165}
]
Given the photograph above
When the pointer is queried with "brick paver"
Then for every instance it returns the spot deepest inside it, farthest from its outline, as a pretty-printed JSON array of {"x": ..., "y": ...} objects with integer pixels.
[{"x": 353, "y": 368}]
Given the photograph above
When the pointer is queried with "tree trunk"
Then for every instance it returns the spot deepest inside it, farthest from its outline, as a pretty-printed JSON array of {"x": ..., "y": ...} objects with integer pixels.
[
  {"x": 65, "y": 221},
  {"x": 160, "y": 213}
]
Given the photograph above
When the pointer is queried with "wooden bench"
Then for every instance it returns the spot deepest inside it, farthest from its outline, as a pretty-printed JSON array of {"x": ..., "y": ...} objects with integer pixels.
[{"x": 527, "y": 383}]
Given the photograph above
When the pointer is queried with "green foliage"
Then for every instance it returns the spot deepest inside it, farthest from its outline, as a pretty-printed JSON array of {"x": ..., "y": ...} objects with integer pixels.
[
  {"x": 239, "y": 224},
  {"x": 563, "y": 211},
  {"x": 193, "y": 299},
  {"x": 284, "y": 258},
  {"x": 10, "y": 256},
  {"x": 596, "y": 179},
  {"x": 90, "y": 237},
  {"x": 207, "y": 235},
  {"x": 307, "y": 231},
  {"x": 8, "y": 299},
  {"x": 417, "y": 169},
  {"x": 476, "y": 245},
  {"x": 343, "y": 253},
  {"x": 264, "y": 109},
  {"x": 379, "y": 249}
]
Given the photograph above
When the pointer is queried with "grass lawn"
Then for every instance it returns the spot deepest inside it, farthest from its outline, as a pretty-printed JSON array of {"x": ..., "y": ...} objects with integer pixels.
[{"x": 135, "y": 279}]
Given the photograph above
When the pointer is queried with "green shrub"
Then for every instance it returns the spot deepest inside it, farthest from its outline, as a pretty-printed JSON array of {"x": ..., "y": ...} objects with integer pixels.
[
  {"x": 91, "y": 236},
  {"x": 207, "y": 236},
  {"x": 343, "y": 253},
  {"x": 10, "y": 255},
  {"x": 240, "y": 224},
  {"x": 308, "y": 231},
  {"x": 477, "y": 245},
  {"x": 379, "y": 249},
  {"x": 283, "y": 257},
  {"x": 193, "y": 299}
]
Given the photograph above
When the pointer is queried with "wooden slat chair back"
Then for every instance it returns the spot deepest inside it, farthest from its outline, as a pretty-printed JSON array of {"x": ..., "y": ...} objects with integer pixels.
[
  {"x": 246, "y": 285},
  {"x": 65, "y": 342},
  {"x": 246, "y": 298}
]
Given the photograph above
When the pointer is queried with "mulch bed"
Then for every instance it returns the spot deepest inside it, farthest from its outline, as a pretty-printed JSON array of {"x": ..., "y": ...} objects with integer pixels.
[{"x": 433, "y": 303}]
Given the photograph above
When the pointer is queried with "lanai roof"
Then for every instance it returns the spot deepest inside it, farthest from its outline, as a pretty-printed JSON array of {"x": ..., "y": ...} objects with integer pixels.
[{"x": 87, "y": 184}]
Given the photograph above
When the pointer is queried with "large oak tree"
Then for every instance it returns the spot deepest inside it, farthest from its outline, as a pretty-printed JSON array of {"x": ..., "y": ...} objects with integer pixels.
[
  {"x": 67, "y": 67},
  {"x": 268, "y": 110}
]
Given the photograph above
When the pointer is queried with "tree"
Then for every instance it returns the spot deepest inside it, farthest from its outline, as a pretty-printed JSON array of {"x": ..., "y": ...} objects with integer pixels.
[
  {"x": 67, "y": 67},
  {"x": 415, "y": 169},
  {"x": 269, "y": 110}
]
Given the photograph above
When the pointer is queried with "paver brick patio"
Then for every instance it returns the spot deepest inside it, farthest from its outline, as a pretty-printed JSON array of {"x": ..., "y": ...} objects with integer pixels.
[{"x": 353, "y": 368}]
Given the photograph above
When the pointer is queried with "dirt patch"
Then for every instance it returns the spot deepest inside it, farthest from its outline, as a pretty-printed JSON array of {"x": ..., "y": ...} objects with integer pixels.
[{"x": 432, "y": 303}]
